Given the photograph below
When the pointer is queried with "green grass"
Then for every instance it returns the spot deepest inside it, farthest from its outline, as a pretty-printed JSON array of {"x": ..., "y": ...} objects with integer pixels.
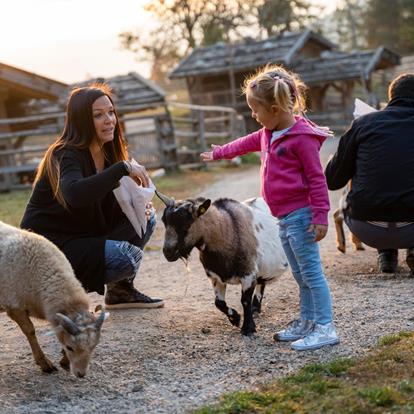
[
  {"x": 381, "y": 382},
  {"x": 12, "y": 206}
]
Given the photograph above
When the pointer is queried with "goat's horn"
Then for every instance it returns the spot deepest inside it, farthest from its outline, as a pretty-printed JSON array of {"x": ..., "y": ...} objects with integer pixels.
[
  {"x": 169, "y": 202},
  {"x": 101, "y": 317},
  {"x": 67, "y": 324}
]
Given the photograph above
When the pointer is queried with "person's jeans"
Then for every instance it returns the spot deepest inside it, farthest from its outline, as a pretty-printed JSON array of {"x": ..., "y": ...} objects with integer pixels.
[
  {"x": 124, "y": 251},
  {"x": 303, "y": 255}
]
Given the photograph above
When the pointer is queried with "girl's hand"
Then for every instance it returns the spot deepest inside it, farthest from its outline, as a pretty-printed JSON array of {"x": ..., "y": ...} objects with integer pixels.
[
  {"x": 208, "y": 155},
  {"x": 320, "y": 231},
  {"x": 139, "y": 174},
  {"x": 149, "y": 210}
]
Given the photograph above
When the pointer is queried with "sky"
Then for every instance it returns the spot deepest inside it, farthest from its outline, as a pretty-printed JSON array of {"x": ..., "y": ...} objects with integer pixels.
[{"x": 74, "y": 40}]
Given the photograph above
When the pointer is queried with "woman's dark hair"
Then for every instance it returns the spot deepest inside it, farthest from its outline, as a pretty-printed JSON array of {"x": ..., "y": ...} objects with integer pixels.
[
  {"x": 402, "y": 87},
  {"x": 79, "y": 132}
]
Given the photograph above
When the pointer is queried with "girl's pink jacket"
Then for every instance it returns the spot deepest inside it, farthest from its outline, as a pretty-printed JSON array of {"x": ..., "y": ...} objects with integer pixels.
[{"x": 291, "y": 171}]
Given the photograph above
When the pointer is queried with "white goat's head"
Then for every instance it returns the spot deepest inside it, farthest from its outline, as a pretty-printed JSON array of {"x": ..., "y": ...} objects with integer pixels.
[{"x": 79, "y": 336}]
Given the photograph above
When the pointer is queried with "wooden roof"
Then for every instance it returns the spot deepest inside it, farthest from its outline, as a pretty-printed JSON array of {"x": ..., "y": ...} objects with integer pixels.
[
  {"x": 27, "y": 85},
  {"x": 131, "y": 89},
  {"x": 332, "y": 66},
  {"x": 247, "y": 55}
]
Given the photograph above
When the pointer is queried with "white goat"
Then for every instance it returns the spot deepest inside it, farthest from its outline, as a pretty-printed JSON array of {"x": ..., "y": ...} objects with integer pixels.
[
  {"x": 37, "y": 280},
  {"x": 238, "y": 243}
]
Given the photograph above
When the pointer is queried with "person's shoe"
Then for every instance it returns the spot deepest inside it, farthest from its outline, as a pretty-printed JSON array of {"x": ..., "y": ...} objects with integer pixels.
[
  {"x": 320, "y": 336},
  {"x": 388, "y": 260},
  {"x": 410, "y": 259},
  {"x": 120, "y": 296},
  {"x": 294, "y": 330}
]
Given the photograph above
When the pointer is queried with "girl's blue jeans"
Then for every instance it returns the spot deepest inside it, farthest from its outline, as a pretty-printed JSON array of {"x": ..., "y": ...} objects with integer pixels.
[
  {"x": 124, "y": 251},
  {"x": 303, "y": 255}
]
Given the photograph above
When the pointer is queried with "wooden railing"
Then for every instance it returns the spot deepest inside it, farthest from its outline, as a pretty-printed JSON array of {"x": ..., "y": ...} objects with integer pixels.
[{"x": 199, "y": 126}]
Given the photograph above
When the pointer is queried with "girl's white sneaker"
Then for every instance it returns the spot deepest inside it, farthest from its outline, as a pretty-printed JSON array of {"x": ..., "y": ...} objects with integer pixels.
[
  {"x": 320, "y": 336},
  {"x": 294, "y": 330}
]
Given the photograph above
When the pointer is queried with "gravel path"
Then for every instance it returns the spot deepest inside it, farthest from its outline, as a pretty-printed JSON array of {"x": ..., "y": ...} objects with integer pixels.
[{"x": 174, "y": 359}]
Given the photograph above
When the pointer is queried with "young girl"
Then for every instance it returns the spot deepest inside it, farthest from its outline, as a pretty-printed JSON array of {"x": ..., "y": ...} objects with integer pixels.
[{"x": 294, "y": 187}]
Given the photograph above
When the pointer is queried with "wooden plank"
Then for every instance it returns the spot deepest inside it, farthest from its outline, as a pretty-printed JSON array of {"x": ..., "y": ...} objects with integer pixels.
[
  {"x": 25, "y": 150},
  {"x": 201, "y": 107},
  {"x": 31, "y": 118},
  {"x": 29, "y": 132},
  {"x": 12, "y": 169}
]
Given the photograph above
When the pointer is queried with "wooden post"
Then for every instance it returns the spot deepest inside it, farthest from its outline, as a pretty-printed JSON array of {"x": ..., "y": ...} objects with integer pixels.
[{"x": 202, "y": 131}]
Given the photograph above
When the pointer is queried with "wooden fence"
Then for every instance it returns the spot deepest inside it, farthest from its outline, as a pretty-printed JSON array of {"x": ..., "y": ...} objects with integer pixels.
[{"x": 171, "y": 139}]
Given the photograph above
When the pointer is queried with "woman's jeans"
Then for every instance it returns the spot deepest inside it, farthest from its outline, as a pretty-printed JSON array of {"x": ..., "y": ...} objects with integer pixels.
[
  {"x": 124, "y": 251},
  {"x": 303, "y": 255}
]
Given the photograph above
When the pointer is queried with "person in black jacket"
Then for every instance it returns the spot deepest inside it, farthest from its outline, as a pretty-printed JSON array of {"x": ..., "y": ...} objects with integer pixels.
[
  {"x": 377, "y": 154},
  {"x": 73, "y": 205}
]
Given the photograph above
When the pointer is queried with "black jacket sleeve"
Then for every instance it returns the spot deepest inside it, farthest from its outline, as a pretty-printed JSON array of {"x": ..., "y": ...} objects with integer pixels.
[
  {"x": 341, "y": 168},
  {"x": 79, "y": 191}
]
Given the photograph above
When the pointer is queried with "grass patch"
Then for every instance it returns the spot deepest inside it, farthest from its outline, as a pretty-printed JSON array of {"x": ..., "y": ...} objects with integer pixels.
[
  {"x": 251, "y": 158},
  {"x": 377, "y": 383},
  {"x": 12, "y": 206}
]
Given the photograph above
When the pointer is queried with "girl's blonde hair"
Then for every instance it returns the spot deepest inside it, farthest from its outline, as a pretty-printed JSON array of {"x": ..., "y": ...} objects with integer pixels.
[{"x": 274, "y": 85}]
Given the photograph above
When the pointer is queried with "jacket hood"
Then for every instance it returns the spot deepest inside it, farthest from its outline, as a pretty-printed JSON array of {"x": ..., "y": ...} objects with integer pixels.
[{"x": 305, "y": 126}]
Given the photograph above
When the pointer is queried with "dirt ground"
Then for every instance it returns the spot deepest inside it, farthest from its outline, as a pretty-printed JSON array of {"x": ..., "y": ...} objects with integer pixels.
[{"x": 175, "y": 359}]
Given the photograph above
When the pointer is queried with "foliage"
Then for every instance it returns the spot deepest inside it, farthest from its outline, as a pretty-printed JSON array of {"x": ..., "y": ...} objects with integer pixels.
[
  {"x": 291, "y": 14},
  {"x": 377, "y": 383},
  {"x": 390, "y": 24},
  {"x": 349, "y": 23}
]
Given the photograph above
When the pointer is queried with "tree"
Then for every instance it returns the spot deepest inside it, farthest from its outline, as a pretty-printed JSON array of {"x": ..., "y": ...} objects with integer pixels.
[
  {"x": 390, "y": 24},
  {"x": 277, "y": 16},
  {"x": 348, "y": 21}
]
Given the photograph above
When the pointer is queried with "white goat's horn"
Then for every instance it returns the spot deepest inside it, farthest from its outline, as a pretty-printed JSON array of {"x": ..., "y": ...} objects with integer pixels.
[
  {"x": 67, "y": 324},
  {"x": 169, "y": 202},
  {"x": 101, "y": 318}
]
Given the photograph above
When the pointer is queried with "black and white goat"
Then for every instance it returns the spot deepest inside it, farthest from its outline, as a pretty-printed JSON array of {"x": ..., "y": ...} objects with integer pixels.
[{"x": 238, "y": 243}]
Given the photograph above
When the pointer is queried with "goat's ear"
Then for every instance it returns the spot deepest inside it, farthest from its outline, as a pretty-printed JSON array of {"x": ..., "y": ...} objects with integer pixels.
[{"x": 202, "y": 208}]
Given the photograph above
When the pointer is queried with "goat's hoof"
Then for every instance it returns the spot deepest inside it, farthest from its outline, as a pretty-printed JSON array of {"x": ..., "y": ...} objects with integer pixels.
[
  {"x": 47, "y": 366},
  {"x": 235, "y": 319},
  {"x": 341, "y": 249},
  {"x": 257, "y": 310},
  {"x": 248, "y": 331},
  {"x": 359, "y": 247}
]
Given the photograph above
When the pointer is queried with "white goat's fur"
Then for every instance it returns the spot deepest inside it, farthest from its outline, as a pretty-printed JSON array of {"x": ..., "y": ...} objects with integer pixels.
[
  {"x": 271, "y": 258},
  {"x": 37, "y": 280}
]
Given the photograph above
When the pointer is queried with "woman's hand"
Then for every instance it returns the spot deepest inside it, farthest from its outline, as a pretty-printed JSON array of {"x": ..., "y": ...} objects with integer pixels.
[
  {"x": 149, "y": 210},
  {"x": 139, "y": 174},
  {"x": 208, "y": 155},
  {"x": 319, "y": 229}
]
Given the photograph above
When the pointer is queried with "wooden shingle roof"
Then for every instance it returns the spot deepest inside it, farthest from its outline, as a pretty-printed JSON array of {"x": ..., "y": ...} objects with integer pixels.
[
  {"x": 131, "y": 89},
  {"x": 247, "y": 55},
  {"x": 332, "y": 66}
]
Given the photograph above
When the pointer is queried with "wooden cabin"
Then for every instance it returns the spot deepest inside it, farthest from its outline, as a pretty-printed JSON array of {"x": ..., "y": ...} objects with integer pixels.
[{"x": 215, "y": 74}]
